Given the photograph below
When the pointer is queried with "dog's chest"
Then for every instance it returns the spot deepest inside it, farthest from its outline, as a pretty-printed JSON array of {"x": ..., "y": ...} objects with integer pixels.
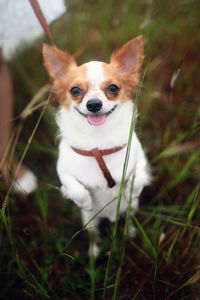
[{"x": 86, "y": 169}]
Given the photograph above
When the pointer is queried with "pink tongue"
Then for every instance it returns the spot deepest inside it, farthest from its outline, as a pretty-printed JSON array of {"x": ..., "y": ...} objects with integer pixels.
[{"x": 96, "y": 120}]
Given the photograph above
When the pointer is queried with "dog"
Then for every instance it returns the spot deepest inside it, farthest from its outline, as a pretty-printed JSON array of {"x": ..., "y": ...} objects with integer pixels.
[{"x": 94, "y": 120}]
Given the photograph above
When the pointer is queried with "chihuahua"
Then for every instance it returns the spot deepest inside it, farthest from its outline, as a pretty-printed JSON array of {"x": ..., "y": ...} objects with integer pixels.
[{"x": 94, "y": 119}]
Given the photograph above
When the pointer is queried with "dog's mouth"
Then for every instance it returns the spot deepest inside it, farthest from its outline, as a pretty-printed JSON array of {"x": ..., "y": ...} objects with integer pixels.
[{"x": 96, "y": 119}]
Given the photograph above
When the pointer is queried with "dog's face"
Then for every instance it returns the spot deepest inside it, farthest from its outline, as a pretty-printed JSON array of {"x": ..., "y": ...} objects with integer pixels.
[{"x": 95, "y": 90}]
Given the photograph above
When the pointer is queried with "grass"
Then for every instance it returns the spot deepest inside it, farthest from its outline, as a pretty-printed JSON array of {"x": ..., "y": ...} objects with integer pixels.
[{"x": 43, "y": 244}]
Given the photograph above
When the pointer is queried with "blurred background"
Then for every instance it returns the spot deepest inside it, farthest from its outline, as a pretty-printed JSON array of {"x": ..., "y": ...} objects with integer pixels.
[{"x": 35, "y": 262}]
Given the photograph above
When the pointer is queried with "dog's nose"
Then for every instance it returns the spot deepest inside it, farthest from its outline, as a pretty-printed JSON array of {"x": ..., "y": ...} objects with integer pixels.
[{"x": 94, "y": 105}]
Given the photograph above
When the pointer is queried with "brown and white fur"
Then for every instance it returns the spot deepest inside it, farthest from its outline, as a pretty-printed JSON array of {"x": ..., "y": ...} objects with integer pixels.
[{"x": 103, "y": 123}]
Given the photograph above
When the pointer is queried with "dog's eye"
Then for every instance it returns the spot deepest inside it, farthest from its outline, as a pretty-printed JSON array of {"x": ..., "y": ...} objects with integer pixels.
[
  {"x": 76, "y": 91},
  {"x": 113, "y": 89}
]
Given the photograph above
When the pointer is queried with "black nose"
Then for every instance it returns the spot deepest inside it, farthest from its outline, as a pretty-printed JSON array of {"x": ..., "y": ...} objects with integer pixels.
[{"x": 94, "y": 105}]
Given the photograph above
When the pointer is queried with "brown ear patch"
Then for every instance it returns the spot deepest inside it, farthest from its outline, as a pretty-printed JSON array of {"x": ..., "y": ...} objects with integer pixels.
[
  {"x": 129, "y": 57},
  {"x": 57, "y": 62},
  {"x": 62, "y": 86},
  {"x": 125, "y": 66},
  {"x": 127, "y": 83}
]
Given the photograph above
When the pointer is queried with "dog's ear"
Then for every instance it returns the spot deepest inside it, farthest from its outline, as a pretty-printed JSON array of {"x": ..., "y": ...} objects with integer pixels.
[
  {"x": 129, "y": 57},
  {"x": 57, "y": 62}
]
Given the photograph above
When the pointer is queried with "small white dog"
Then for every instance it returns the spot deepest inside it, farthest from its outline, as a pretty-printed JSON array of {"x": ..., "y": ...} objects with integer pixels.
[{"x": 94, "y": 120}]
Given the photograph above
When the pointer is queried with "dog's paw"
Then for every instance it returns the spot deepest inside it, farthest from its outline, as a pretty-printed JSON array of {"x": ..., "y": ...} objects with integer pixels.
[{"x": 80, "y": 196}]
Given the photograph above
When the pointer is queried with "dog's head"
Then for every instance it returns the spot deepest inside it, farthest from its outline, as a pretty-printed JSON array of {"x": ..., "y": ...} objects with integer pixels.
[{"x": 95, "y": 89}]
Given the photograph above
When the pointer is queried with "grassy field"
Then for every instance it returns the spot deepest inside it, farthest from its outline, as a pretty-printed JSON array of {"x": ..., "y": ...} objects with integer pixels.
[{"x": 43, "y": 246}]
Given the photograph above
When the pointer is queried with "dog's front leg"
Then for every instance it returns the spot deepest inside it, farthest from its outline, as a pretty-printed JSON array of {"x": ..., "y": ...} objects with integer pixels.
[{"x": 75, "y": 191}]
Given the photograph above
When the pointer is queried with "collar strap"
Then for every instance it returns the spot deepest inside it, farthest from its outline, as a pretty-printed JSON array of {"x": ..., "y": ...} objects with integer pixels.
[{"x": 98, "y": 155}]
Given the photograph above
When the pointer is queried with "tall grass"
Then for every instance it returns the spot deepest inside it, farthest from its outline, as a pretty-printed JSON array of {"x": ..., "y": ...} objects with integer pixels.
[{"x": 119, "y": 198}]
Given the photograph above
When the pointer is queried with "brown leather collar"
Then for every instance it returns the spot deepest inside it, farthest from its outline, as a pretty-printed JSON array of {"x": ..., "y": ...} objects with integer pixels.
[{"x": 98, "y": 155}]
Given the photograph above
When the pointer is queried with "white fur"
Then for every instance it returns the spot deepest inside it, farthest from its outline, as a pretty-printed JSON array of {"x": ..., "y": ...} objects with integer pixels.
[
  {"x": 81, "y": 177},
  {"x": 26, "y": 184},
  {"x": 95, "y": 77}
]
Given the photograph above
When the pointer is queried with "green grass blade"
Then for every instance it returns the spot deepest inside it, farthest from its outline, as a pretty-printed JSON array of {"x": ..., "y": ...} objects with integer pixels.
[
  {"x": 169, "y": 252},
  {"x": 192, "y": 280},
  {"x": 146, "y": 239},
  {"x": 195, "y": 204},
  {"x": 92, "y": 271},
  {"x": 184, "y": 171},
  {"x": 126, "y": 161}
]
